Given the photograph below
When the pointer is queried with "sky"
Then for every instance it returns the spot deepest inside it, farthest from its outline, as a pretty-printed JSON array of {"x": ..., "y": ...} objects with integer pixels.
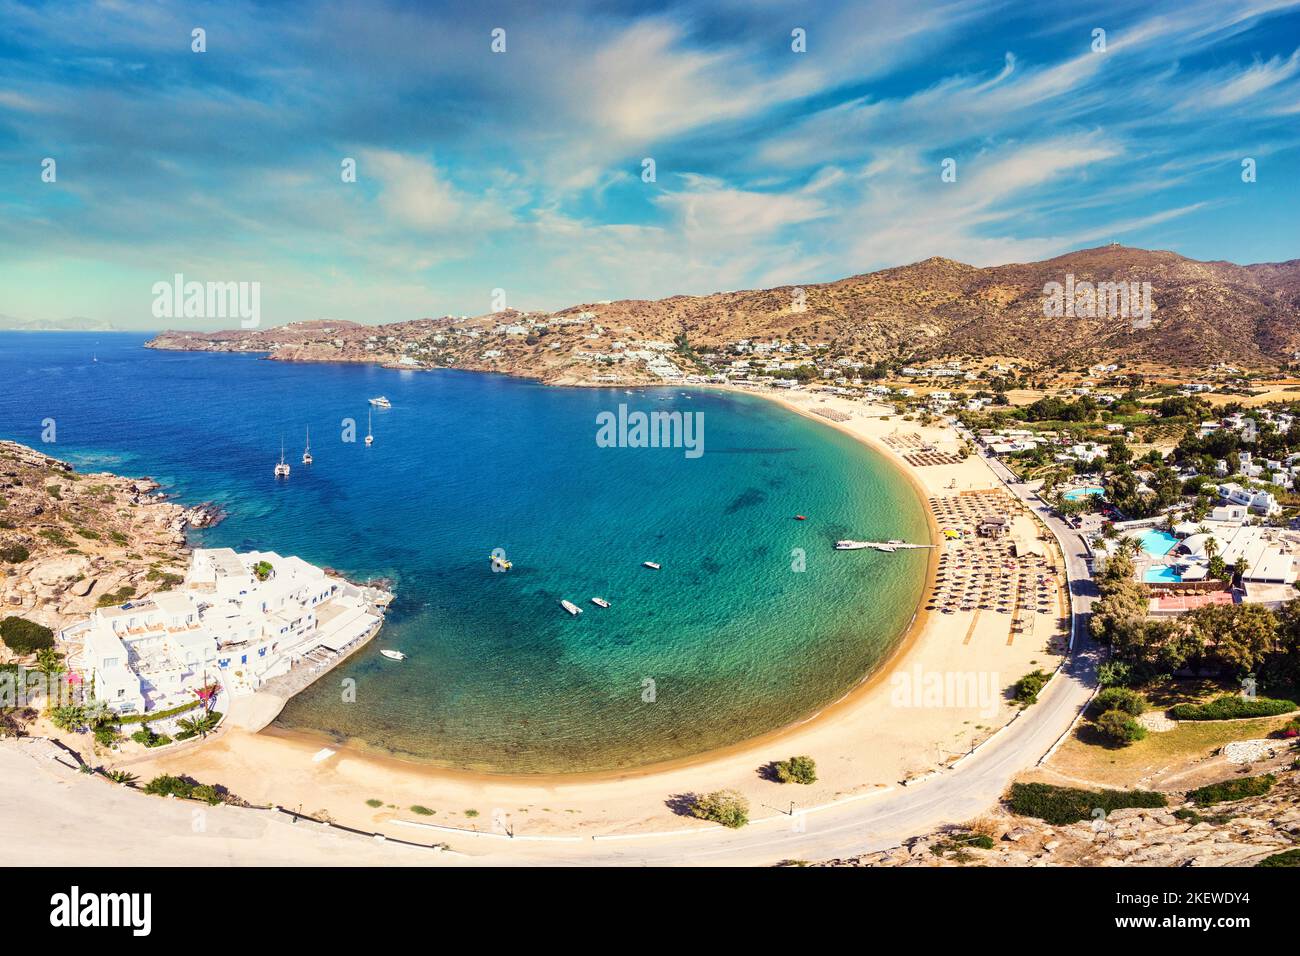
[{"x": 524, "y": 169}]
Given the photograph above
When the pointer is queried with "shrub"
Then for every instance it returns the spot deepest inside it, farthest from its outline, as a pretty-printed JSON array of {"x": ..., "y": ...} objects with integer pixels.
[
  {"x": 1121, "y": 699},
  {"x": 422, "y": 811},
  {"x": 207, "y": 793},
  {"x": 1027, "y": 688},
  {"x": 1238, "y": 788},
  {"x": 1061, "y": 806},
  {"x": 25, "y": 637},
  {"x": 1119, "y": 727},
  {"x": 372, "y": 802},
  {"x": 263, "y": 570},
  {"x": 796, "y": 770},
  {"x": 1232, "y": 707},
  {"x": 169, "y": 786},
  {"x": 726, "y": 807},
  {"x": 14, "y": 554},
  {"x": 1115, "y": 674},
  {"x": 1285, "y": 858}
]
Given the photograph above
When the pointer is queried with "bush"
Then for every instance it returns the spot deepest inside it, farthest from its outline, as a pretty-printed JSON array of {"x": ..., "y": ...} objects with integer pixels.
[
  {"x": 169, "y": 786},
  {"x": 25, "y": 637},
  {"x": 207, "y": 793},
  {"x": 1122, "y": 699},
  {"x": 1238, "y": 788},
  {"x": 1232, "y": 707},
  {"x": 422, "y": 811},
  {"x": 796, "y": 770},
  {"x": 1061, "y": 806},
  {"x": 14, "y": 554},
  {"x": 1116, "y": 674},
  {"x": 726, "y": 807},
  {"x": 1027, "y": 688},
  {"x": 1285, "y": 858},
  {"x": 1119, "y": 727}
]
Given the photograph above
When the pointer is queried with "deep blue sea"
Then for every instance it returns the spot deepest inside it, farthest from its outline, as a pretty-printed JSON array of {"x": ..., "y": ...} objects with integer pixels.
[{"x": 726, "y": 642}]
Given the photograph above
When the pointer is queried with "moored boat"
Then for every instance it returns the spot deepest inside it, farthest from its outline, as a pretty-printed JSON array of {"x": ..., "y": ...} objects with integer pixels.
[
  {"x": 599, "y": 602},
  {"x": 653, "y": 566},
  {"x": 393, "y": 655},
  {"x": 571, "y": 607}
]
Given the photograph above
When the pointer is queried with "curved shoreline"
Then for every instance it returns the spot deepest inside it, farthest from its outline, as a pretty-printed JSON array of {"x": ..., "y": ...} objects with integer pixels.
[{"x": 885, "y": 665}]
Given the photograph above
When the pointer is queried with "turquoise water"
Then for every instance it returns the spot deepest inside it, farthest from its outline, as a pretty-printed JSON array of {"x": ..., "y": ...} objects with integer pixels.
[
  {"x": 1157, "y": 543},
  {"x": 1078, "y": 494},
  {"x": 726, "y": 642},
  {"x": 1162, "y": 574}
]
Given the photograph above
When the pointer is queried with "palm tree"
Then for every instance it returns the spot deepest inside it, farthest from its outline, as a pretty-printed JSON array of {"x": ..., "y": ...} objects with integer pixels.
[
  {"x": 50, "y": 663},
  {"x": 1211, "y": 547},
  {"x": 198, "y": 725},
  {"x": 121, "y": 776}
]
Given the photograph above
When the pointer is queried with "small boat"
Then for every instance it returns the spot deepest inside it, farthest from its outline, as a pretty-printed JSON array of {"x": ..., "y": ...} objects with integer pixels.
[
  {"x": 380, "y": 402},
  {"x": 651, "y": 565},
  {"x": 571, "y": 608},
  {"x": 306, "y": 454},
  {"x": 800, "y": 517},
  {"x": 370, "y": 438},
  {"x": 282, "y": 469},
  {"x": 600, "y": 602},
  {"x": 393, "y": 655},
  {"x": 500, "y": 562}
]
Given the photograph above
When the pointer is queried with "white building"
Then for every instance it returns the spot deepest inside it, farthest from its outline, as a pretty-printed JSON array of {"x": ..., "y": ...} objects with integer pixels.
[{"x": 226, "y": 623}]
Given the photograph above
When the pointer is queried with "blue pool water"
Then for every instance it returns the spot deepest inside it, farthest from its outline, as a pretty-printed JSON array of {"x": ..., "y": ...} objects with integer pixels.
[
  {"x": 753, "y": 623},
  {"x": 1078, "y": 494},
  {"x": 1162, "y": 574},
  {"x": 1157, "y": 543}
]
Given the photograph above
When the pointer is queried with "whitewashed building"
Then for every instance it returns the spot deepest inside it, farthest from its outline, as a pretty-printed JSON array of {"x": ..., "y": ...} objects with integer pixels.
[{"x": 227, "y": 623}]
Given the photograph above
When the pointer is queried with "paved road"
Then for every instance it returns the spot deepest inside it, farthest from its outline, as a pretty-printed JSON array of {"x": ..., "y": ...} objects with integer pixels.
[{"x": 153, "y": 831}]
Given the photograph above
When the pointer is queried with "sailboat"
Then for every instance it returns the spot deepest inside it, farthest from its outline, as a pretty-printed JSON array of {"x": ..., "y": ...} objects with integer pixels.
[
  {"x": 282, "y": 469},
  {"x": 306, "y": 454},
  {"x": 370, "y": 439}
]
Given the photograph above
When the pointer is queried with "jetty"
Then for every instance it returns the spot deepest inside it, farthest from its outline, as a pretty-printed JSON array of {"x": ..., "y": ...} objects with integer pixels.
[{"x": 849, "y": 545}]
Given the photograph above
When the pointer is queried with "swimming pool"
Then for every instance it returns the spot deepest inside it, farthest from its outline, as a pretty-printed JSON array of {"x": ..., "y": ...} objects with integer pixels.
[
  {"x": 1078, "y": 494},
  {"x": 1156, "y": 543},
  {"x": 1162, "y": 574}
]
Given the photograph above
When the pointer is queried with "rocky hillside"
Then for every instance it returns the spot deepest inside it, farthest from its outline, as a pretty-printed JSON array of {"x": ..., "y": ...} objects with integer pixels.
[
  {"x": 1202, "y": 313},
  {"x": 1236, "y": 833},
  {"x": 70, "y": 541}
]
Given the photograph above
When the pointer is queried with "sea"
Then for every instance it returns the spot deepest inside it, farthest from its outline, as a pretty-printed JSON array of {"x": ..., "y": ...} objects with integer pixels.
[{"x": 753, "y": 621}]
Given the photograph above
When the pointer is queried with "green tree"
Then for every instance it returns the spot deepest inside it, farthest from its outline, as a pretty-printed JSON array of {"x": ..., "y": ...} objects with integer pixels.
[
  {"x": 25, "y": 637},
  {"x": 1120, "y": 728}
]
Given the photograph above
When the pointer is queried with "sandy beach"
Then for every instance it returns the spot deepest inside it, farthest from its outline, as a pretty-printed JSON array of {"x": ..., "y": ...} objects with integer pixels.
[{"x": 888, "y": 729}]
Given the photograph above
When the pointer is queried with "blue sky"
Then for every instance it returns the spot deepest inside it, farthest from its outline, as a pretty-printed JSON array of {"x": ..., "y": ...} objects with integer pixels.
[{"x": 522, "y": 170}]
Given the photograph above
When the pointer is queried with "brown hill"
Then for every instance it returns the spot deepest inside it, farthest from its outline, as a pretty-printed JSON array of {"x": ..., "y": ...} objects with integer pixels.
[{"x": 1202, "y": 313}]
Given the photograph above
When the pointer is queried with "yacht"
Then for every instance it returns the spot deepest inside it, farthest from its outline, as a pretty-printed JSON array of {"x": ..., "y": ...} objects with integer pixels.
[
  {"x": 393, "y": 655},
  {"x": 380, "y": 402},
  {"x": 306, "y": 454},
  {"x": 370, "y": 438},
  {"x": 653, "y": 566},
  {"x": 600, "y": 602},
  {"x": 282, "y": 469},
  {"x": 571, "y": 608}
]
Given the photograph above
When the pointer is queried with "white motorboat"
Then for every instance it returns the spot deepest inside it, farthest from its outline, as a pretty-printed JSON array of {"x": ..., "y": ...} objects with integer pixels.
[
  {"x": 571, "y": 608},
  {"x": 393, "y": 655},
  {"x": 370, "y": 437},
  {"x": 306, "y": 454},
  {"x": 599, "y": 602},
  {"x": 653, "y": 566},
  {"x": 380, "y": 402}
]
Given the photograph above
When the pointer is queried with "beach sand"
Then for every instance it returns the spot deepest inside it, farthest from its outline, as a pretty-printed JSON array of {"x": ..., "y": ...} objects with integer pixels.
[{"x": 876, "y": 736}]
